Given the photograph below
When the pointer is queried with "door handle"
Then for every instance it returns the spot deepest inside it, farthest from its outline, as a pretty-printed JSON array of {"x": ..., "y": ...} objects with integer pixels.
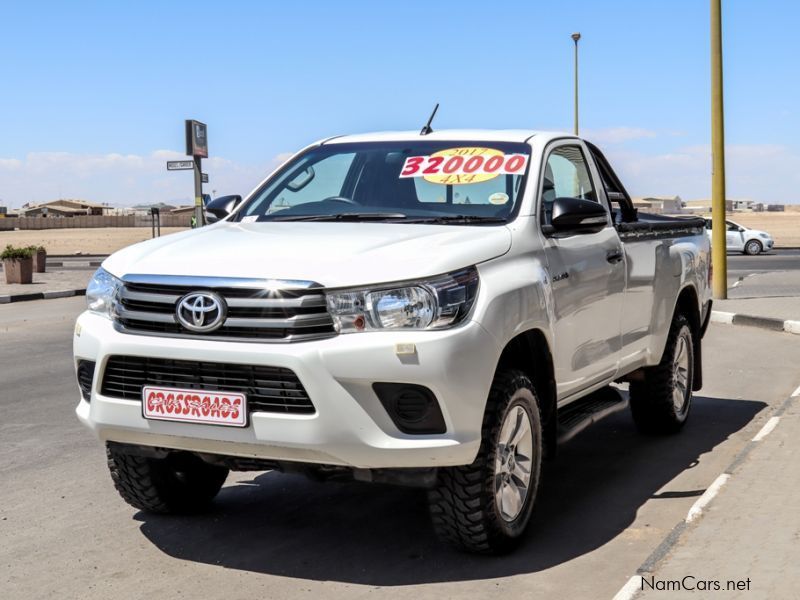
[{"x": 614, "y": 256}]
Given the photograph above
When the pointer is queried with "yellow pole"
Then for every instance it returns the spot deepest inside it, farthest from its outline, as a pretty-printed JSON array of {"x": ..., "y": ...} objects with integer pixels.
[
  {"x": 718, "y": 250},
  {"x": 575, "y": 38}
]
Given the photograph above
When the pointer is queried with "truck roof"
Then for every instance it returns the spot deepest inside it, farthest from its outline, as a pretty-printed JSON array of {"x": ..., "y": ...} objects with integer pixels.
[{"x": 489, "y": 135}]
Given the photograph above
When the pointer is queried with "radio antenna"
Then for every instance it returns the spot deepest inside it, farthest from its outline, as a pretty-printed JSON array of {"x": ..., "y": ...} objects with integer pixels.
[{"x": 428, "y": 129}]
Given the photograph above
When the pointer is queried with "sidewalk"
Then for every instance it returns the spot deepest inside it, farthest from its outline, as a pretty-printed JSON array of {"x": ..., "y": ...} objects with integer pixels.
[
  {"x": 770, "y": 300},
  {"x": 749, "y": 534},
  {"x": 55, "y": 283}
]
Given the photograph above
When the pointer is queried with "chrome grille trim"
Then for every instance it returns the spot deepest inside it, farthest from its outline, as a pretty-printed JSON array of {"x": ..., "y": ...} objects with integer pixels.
[
  {"x": 138, "y": 315},
  {"x": 258, "y": 310},
  {"x": 226, "y": 282},
  {"x": 296, "y": 322},
  {"x": 302, "y": 302},
  {"x": 127, "y": 294}
]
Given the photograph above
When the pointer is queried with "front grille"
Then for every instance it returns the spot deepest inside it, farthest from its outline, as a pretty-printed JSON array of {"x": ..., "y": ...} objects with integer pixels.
[
  {"x": 268, "y": 389},
  {"x": 281, "y": 313}
]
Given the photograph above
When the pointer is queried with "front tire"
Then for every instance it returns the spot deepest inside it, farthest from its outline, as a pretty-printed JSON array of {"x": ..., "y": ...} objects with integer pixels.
[
  {"x": 661, "y": 401},
  {"x": 179, "y": 483},
  {"x": 753, "y": 247},
  {"x": 485, "y": 507}
]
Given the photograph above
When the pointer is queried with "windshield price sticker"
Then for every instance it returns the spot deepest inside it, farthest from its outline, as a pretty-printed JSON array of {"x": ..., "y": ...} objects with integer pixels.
[{"x": 464, "y": 165}]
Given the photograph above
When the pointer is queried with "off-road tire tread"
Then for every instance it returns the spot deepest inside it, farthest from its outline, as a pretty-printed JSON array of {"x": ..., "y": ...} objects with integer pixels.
[
  {"x": 141, "y": 482},
  {"x": 457, "y": 504},
  {"x": 651, "y": 398}
]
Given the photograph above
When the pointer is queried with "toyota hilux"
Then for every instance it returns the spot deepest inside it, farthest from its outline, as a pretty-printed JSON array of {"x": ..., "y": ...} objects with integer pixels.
[{"x": 434, "y": 310}]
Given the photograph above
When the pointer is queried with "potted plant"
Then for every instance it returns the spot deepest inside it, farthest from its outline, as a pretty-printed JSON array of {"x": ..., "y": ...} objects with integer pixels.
[
  {"x": 18, "y": 264},
  {"x": 39, "y": 258}
]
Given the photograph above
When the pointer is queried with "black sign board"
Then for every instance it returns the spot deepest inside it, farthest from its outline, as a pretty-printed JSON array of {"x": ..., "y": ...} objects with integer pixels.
[
  {"x": 196, "y": 138},
  {"x": 204, "y": 177}
]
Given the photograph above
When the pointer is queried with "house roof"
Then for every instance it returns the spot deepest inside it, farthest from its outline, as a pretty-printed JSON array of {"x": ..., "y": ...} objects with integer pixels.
[{"x": 54, "y": 208}]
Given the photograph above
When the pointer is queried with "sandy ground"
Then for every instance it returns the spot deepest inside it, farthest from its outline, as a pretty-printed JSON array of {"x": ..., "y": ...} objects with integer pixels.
[
  {"x": 100, "y": 240},
  {"x": 784, "y": 228}
]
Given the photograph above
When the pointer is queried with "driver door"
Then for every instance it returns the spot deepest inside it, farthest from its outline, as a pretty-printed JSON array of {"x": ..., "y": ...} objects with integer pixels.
[{"x": 587, "y": 278}]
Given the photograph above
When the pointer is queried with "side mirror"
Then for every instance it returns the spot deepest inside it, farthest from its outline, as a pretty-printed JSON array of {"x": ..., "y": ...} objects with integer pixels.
[
  {"x": 577, "y": 215},
  {"x": 220, "y": 207}
]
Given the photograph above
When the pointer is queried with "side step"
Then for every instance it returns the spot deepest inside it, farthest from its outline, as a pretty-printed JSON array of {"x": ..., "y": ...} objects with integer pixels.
[{"x": 578, "y": 415}]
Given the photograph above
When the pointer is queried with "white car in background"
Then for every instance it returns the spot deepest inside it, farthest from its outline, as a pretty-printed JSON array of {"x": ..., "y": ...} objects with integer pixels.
[{"x": 743, "y": 239}]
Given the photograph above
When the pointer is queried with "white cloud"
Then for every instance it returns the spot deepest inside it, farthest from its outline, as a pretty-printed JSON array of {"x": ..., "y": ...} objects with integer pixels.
[
  {"x": 764, "y": 172},
  {"x": 120, "y": 179}
]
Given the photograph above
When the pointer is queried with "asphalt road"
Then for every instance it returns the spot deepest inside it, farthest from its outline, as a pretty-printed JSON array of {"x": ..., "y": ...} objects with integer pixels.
[
  {"x": 777, "y": 260},
  {"x": 607, "y": 500}
]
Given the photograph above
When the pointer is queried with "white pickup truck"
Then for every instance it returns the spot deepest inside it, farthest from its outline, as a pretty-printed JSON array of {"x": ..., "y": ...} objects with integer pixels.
[{"x": 433, "y": 310}]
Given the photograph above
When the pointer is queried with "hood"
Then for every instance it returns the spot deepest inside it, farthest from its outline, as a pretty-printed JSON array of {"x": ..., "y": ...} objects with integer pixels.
[{"x": 331, "y": 254}]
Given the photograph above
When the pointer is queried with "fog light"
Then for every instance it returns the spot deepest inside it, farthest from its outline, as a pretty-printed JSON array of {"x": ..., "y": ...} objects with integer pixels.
[
  {"x": 85, "y": 376},
  {"x": 412, "y": 408}
]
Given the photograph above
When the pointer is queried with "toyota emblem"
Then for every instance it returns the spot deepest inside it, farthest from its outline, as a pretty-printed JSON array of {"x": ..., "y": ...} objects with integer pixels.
[{"x": 201, "y": 311}]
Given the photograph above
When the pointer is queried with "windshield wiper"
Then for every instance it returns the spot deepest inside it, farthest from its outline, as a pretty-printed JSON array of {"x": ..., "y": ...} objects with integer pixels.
[
  {"x": 456, "y": 219},
  {"x": 348, "y": 216}
]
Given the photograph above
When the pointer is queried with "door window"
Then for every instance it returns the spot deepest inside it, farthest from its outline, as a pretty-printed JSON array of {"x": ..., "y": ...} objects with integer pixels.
[{"x": 566, "y": 175}]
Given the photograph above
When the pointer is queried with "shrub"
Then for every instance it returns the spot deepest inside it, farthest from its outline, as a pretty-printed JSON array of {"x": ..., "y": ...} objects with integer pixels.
[{"x": 16, "y": 253}]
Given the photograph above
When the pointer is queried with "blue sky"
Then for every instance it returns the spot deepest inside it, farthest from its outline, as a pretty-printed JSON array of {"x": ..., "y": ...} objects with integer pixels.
[{"x": 95, "y": 94}]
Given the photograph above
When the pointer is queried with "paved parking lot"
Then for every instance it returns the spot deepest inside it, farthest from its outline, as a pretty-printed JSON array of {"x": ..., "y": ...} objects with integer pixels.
[{"x": 607, "y": 501}]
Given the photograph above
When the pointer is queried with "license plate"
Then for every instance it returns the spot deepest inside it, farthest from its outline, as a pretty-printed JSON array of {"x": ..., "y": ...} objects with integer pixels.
[{"x": 194, "y": 406}]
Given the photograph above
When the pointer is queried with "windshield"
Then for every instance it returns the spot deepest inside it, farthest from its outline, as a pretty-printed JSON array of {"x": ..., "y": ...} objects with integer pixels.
[{"x": 415, "y": 182}]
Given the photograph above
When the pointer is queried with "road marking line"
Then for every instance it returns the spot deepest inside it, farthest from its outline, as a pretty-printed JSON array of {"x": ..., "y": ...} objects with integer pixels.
[
  {"x": 766, "y": 429},
  {"x": 708, "y": 495},
  {"x": 717, "y": 316},
  {"x": 630, "y": 589},
  {"x": 791, "y": 326},
  {"x": 796, "y": 393}
]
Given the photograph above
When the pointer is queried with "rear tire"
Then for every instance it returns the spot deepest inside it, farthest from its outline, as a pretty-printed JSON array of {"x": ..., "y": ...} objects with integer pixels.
[
  {"x": 753, "y": 247},
  {"x": 660, "y": 403},
  {"x": 179, "y": 483},
  {"x": 485, "y": 507}
]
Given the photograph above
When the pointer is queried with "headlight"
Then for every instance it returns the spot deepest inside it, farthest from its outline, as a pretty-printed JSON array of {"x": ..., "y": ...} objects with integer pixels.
[
  {"x": 764, "y": 235},
  {"x": 434, "y": 303},
  {"x": 101, "y": 293}
]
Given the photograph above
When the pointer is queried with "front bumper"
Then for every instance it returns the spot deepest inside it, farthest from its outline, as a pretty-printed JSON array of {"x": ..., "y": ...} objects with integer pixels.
[{"x": 350, "y": 426}]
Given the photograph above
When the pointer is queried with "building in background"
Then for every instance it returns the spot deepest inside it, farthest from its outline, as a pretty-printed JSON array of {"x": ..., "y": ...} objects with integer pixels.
[
  {"x": 738, "y": 205},
  {"x": 64, "y": 208},
  {"x": 661, "y": 206},
  {"x": 731, "y": 206}
]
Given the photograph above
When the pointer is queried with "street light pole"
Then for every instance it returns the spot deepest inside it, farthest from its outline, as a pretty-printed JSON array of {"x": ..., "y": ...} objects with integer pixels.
[
  {"x": 575, "y": 37},
  {"x": 718, "y": 241}
]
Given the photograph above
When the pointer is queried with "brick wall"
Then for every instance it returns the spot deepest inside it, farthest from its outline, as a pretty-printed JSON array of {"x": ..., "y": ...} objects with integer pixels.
[{"x": 87, "y": 221}]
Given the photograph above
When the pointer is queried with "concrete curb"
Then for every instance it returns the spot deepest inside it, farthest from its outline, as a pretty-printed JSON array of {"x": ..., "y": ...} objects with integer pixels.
[
  {"x": 41, "y": 296},
  {"x": 729, "y": 318}
]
